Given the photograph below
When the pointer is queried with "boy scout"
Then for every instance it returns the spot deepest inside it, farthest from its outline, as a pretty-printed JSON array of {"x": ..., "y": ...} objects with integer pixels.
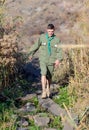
[{"x": 50, "y": 56}]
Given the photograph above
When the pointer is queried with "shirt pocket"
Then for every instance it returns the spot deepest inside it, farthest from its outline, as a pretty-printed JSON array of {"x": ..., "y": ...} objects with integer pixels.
[
  {"x": 54, "y": 48},
  {"x": 43, "y": 48},
  {"x": 43, "y": 43}
]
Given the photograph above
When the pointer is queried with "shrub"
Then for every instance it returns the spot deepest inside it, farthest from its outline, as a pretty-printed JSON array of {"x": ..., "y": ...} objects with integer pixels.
[{"x": 11, "y": 59}]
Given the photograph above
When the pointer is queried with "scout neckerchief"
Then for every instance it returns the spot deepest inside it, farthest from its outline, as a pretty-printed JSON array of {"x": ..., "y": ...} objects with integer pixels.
[{"x": 49, "y": 40}]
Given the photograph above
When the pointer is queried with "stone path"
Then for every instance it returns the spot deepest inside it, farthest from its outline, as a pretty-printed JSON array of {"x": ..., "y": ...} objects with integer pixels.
[
  {"x": 32, "y": 69},
  {"x": 55, "y": 109},
  {"x": 50, "y": 106}
]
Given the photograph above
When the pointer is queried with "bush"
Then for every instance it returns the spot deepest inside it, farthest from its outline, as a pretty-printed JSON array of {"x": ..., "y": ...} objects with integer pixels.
[{"x": 11, "y": 59}]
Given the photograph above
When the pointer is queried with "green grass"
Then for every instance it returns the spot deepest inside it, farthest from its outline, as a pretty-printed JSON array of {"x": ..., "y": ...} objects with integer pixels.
[
  {"x": 7, "y": 116},
  {"x": 34, "y": 100},
  {"x": 56, "y": 122},
  {"x": 34, "y": 128},
  {"x": 63, "y": 97}
]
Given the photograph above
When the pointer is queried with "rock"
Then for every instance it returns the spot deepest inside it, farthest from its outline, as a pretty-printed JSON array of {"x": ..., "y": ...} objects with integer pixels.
[
  {"x": 55, "y": 109},
  {"x": 38, "y": 92},
  {"x": 67, "y": 126},
  {"x": 29, "y": 117},
  {"x": 28, "y": 97},
  {"x": 23, "y": 122},
  {"x": 41, "y": 121},
  {"x": 54, "y": 86},
  {"x": 51, "y": 106},
  {"x": 29, "y": 107}
]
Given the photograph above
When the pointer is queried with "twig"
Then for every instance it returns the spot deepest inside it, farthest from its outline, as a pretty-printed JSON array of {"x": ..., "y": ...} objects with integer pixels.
[
  {"x": 69, "y": 115},
  {"x": 82, "y": 124}
]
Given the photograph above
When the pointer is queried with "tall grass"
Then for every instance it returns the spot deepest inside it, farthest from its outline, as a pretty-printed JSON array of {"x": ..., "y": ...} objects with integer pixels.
[
  {"x": 10, "y": 57},
  {"x": 74, "y": 71},
  {"x": 7, "y": 119},
  {"x": 80, "y": 59}
]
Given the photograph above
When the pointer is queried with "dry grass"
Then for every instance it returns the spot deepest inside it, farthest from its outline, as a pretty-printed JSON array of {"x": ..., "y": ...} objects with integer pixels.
[
  {"x": 10, "y": 57},
  {"x": 8, "y": 48},
  {"x": 75, "y": 67},
  {"x": 80, "y": 58}
]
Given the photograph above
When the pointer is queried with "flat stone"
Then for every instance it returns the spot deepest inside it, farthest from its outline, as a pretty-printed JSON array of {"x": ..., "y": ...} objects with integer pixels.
[
  {"x": 29, "y": 107},
  {"x": 51, "y": 106},
  {"x": 23, "y": 123},
  {"x": 41, "y": 121},
  {"x": 55, "y": 109},
  {"x": 67, "y": 126},
  {"x": 38, "y": 92},
  {"x": 28, "y": 97}
]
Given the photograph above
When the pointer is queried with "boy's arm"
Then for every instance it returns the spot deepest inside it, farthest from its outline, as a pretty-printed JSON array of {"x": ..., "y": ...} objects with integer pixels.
[
  {"x": 34, "y": 48},
  {"x": 59, "y": 52},
  {"x": 59, "y": 55}
]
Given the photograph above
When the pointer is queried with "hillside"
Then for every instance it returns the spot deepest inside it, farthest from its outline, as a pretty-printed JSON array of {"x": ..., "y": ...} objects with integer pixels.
[
  {"x": 37, "y": 14},
  {"x": 71, "y": 20}
]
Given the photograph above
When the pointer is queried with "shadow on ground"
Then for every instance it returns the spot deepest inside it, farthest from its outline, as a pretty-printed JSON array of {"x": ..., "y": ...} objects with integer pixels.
[{"x": 31, "y": 73}]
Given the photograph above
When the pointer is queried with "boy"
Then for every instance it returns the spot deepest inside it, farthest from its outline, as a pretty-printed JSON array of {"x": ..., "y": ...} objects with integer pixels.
[{"x": 50, "y": 56}]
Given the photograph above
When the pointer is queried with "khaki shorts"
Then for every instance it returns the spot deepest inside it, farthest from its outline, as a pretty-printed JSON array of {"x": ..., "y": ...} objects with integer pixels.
[{"x": 46, "y": 70}]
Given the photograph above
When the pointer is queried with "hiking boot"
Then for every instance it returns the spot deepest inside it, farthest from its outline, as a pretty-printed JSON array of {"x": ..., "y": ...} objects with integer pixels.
[
  {"x": 48, "y": 92},
  {"x": 44, "y": 94}
]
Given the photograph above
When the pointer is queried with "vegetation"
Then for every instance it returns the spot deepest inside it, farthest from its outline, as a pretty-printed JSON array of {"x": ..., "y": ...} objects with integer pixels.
[
  {"x": 56, "y": 123},
  {"x": 64, "y": 97},
  {"x": 73, "y": 73},
  {"x": 11, "y": 59},
  {"x": 7, "y": 116}
]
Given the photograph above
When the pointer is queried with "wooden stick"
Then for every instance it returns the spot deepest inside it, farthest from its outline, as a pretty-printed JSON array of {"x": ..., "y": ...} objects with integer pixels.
[
  {"x": 67, "y": 111},
  {"x": 69, "y": 115}
]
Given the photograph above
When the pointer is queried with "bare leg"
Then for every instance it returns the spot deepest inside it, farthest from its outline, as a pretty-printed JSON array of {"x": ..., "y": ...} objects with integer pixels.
[
  {"x": 48, "y": 87},
  {"x": 43, "y": 81}
]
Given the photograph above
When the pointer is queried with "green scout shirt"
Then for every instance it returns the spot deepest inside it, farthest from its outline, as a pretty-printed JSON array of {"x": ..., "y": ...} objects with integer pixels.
[{"x": 41, "y": 45}]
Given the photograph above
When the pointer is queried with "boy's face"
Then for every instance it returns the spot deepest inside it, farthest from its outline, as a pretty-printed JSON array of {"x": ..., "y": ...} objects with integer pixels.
[{"x": 50, "y": 32}]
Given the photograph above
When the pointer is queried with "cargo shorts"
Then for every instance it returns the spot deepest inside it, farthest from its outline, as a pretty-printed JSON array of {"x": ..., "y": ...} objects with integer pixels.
[{"x": 47, "y": 70}]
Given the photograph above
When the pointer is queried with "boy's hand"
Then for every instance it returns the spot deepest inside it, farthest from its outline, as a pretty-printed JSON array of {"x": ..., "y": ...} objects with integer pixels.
[
  {"x": 56, "y": 64},
  {"x": 30, "y": 58}
]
